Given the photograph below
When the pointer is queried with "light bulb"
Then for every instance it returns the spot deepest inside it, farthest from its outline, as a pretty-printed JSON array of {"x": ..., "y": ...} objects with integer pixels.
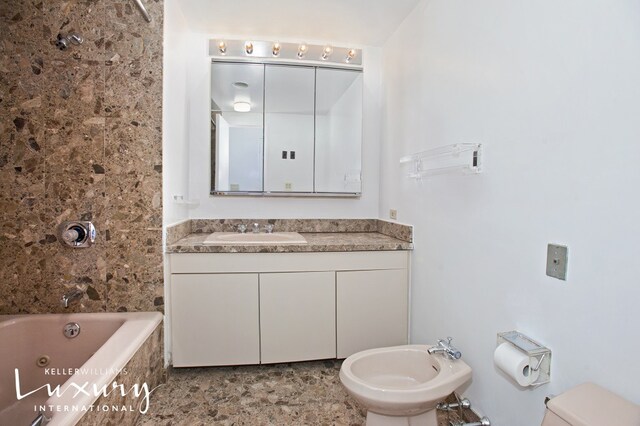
[
  {"x": 326, "y": 53},
  {"x": 276, "y": 49},
  {"x": 302, "y": 50},
  {"x": 248, "y": 47},
  {"x": 351, "y": 54},
  {"x": 222, "y": 47},
  {"x": 241, "y": 106}
]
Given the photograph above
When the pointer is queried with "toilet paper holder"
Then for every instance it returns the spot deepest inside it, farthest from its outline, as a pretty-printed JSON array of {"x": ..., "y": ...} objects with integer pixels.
[{"x": 540, "y": 355}]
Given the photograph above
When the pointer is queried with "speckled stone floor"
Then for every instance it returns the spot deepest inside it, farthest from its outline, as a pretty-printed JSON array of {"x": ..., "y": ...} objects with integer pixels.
[{"x": 307, "y": 393}]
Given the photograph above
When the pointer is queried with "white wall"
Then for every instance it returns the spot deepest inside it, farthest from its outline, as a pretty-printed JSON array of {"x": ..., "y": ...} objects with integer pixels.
[
  {"x": 270, "y": 207},
  {"x": 552, "y": 90},
  {"x": 175, "y": 136},
  {"x": 175, "y": 114}
]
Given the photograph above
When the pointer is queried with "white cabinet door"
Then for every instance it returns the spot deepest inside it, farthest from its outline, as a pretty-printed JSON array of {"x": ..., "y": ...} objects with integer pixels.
[
  {"x": 371, "y": 310},
  {"x": 297, "y": 316},
  {"x": 214, "y": 319}
]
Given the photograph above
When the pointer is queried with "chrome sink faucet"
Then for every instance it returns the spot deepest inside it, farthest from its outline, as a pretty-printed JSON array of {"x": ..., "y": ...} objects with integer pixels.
[
  {"x": 256, "y": 228},
  {"x": 70, "y": 296},
  {"x": 446, "y": 348}
]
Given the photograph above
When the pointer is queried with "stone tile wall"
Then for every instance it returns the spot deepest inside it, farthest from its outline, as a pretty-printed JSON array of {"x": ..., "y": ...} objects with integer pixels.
[{"x": 80, "y": 134}]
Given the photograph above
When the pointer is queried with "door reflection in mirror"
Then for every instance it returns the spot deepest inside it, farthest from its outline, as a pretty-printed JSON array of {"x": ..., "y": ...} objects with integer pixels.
[{"x": 237, "y": 145}]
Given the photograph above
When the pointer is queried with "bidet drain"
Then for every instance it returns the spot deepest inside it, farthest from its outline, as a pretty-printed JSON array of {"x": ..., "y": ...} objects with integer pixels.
[{"x": 43, "y": 361}]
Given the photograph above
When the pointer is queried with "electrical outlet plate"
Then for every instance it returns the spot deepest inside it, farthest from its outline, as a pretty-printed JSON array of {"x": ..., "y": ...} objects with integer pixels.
[
  {"x": 393, "y": 214},
  {"x": 557, "y": 259}
]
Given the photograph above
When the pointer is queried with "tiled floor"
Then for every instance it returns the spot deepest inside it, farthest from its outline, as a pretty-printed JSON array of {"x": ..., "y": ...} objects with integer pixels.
[{"x": 307, "y": 393}]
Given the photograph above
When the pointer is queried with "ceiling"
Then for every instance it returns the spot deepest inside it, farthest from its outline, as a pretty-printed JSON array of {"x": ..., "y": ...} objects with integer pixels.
[{"x": 352, "y": 22}]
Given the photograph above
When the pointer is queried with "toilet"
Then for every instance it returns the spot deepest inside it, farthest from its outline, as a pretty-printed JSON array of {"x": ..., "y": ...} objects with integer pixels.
[{"x": 590, "y": 405}]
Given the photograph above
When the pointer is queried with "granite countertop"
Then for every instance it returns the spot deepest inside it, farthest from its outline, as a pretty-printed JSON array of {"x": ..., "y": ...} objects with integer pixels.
[{"x": 316, "y": 242}]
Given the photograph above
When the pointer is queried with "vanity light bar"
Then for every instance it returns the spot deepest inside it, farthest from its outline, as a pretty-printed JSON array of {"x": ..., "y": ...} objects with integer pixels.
[
  {"x": 266, "y": 51},
  {"x": 326, "y": 53},
  {"x": 302, "y": 50}
]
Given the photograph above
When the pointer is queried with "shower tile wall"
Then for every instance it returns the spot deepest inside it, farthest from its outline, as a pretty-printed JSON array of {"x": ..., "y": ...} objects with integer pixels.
[{"x": 80, "y": 139}]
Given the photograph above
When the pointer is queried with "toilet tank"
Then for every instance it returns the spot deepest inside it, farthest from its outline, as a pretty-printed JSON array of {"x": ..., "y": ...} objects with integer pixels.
[{"x": 590, "y": 405}]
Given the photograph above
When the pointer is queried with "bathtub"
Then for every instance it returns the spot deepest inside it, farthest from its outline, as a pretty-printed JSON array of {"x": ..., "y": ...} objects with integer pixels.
[{"x": 93, "y": 372}]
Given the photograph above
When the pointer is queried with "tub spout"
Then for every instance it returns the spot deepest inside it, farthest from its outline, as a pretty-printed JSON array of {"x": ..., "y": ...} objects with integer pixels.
[{"x": 70, "y": 296}]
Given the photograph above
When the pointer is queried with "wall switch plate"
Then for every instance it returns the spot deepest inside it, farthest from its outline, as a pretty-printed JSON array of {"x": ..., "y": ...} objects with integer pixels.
[
  {"x": 288, "y": 186},
  {"x": 557, "y": 258},
  {"x": 393, "y": 214}
]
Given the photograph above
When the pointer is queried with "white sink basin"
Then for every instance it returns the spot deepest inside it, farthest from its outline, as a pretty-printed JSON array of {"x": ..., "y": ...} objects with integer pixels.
[{"x": 220, "y": 238}]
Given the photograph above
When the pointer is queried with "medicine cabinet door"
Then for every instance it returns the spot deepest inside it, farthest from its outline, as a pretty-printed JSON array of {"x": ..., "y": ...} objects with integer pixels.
[
  {"x": 338, "y": 143},
  {"x": 289, "y": 128},
  {"x": 236, "y": 127}
]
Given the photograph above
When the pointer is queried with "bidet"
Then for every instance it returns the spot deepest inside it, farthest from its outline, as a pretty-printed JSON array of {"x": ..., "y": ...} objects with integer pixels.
[{"x": 402, "y": 385}]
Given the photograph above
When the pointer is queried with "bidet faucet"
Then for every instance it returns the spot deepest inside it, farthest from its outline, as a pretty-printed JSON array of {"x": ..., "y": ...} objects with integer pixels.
[
  {"x": 70, "y": 296},
  {"x": 446, "y": 348}
]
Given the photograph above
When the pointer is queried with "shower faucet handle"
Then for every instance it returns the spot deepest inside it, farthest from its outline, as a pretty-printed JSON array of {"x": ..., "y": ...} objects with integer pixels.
[{"x": 77, "y": 233}]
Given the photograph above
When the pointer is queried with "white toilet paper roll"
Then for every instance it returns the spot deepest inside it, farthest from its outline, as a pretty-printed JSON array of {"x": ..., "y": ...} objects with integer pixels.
[{"x": 515, "y": 364}]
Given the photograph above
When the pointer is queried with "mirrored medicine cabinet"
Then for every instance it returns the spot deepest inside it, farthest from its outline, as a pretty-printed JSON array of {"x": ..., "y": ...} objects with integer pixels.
[{"x": 280, "y": 129}]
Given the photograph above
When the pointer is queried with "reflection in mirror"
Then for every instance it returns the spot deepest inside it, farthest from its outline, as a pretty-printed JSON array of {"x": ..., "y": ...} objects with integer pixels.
[
  {"x": 289, "y": 123},
  {"x": 236, "y": 127},
  {"x": 278, "y": 129},
  {"x": 338, "y": 131}
]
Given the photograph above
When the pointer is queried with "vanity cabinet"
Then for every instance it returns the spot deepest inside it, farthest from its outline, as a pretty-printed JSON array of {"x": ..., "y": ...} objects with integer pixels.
[
  {"x": 215, "y": 319},
  {"x": 251, "y": 308},
  {"x": 371, "y": 310},
  {"x": 297, "y": 316}
]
